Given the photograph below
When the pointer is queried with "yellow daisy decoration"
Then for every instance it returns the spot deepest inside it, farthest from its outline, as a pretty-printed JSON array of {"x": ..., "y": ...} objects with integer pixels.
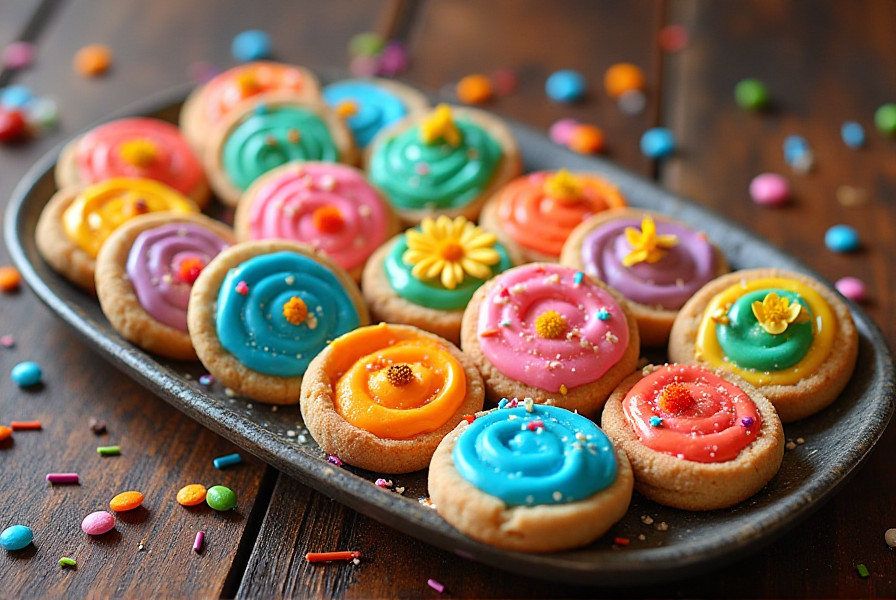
[
  {"x": 775, "y": 313},
  {"x": 440, "y": 125},
  {"x": 563, "y": 186},
  {"x": 450, "y": 250},
  {"x": 646, "y": 245}
]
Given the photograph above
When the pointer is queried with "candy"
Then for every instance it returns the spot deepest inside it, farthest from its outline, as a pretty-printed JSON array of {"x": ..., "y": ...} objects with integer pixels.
[
  {"x": 220, "y": 497},
  {"x": 852, "y": 287},
  {"x": 658, "y": 142},
  {"x": 25, "y": 425},
  {"x": 474, "y": 89},
  {"x": 565, "y": 86},
  {"x": 505, "y": 81},
  {"x": 330, "y": 556},
  {"x": 26, "y": 374},
  {"x": 197, "y": 543},
  {"x": 623, "y": 77},
  {"x": 42, "y": 113},
  {"x": 586, "y": 139},
  {"x": 126, "y": 501},
  {"x": 561, "y": 131},
  {"x": 769, "y": 189},
  {"x": 191, "y": 495},
  {"x": 632, "y": 102},
  {"x": 885, "y": 119},
  {"x": 863, "y": 570},
  {"x": 10, "y": 279},
  {"x": 97, "y": 426},
  {"x": 16, "y": 537},
  {"x": 18, "y": 55},
  {"x": 841, "y": 238},
  {"x": 853, "y": 134},
  {"x": 15, "y": 96},
  {"x": 435, "y": 585},
  {"x": 393, "y": 60},
  {"x": 673, "y": 38},
  {"x": 67, "y": 562},
  {"x": 93, "y": 60},
  {"x": 751, "y": 94},
  {"x": 12, "y": 125},
  {"x": 108, "y": 450},
  {"x": 226, "y": 461},
  {"x": 98, "y": 523},
  {"x": 795, "y": 147},
  {"x": 7, "y": 341},
  {"x": 251, "y": 44},
  {"x": 5, "y": 433},
  {"x": 890, "y": 538},
  {"x": 367, "y": 43},
  {"x": 55, "y": 478}
]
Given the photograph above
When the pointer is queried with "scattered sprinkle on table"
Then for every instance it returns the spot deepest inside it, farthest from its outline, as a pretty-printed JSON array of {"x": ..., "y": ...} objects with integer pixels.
[
  {"x": 621, "y": 541},
  {"x": 108, "y": 450},
  {"x": 5, "y": 432},
  {"x": 7, "y": 341},
  {"x": 885, "y": 119},
  {"x": 435, "y": 585},
  {"x": 10, "y": 279},
  {"x": 621, "y": 78},
  {"x": 769, "y": 189},
  {"x": 632, "y": 102},
  {"x": 842, "y": 238},
  {"x": 67, "y": 562},
  {"x": 197, "y": 543},
  {"x": 55, "y": 478},
  {"x": 206, "y": 380},
  {"x": 16, "y": 537},
  {"x": 586, "y": 139},
  {"x": 191, "y": 495},
  {"x": 505, "y": 81},
  {"x": 751, "y": 94},
  {"x": 334, "y": 460},
  {"x": 474, "y": 89},
  {"x": 561, "y": 131},
  {"x": 227, "y": 461},
  {"x": 126, "y": 501},
  {"x": 853, "y": 134},
  {"x": 25, "y": 425},
  {"x": 252, "y": 44},
  {"x": 12, "y": 125},
  {"x": 97, "y": 426},
  {"x": 26, "y": 374},
  {"x": 863, "y": 570},
  {"x": 366, "y": 43},
  {"x": 98, "y": 523},
  {"x": 658, "y": 142},
  {"x": 220, "y": 498},
  {"x": 18, "y": 55},
  {"x": 852, "y": 287},
  {"x": 331, "y": 556},
  {"x": 565, "y": 86},
  {"x": 93, "y": 60}
]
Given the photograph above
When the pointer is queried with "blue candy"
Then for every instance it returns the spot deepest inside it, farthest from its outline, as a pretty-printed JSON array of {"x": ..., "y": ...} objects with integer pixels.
[
  {"x": 16, "y": 537},
  {"x": 227, "y": 461},
  {"x": 841, "y": 238},
  {"x": 853, "y": 134},
  {"x": 565, "y": 86},
  {"x": 795, "y": 148},
  {"x": 658, "y": 142},
  {"x": 15, "y": 96},
  {"x": 251, "y": 44},
  {"x": 26, "y": 374}
]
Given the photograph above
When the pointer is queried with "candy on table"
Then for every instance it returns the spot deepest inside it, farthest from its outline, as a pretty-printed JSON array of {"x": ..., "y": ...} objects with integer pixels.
[
  {"x": 435, "y": 585},
  {"x": 126, "y": 501},
  {"x": 393, "y": 60},
  {"x": 5, "y": 433},
  {"x": 18, "y": 55},
  {"x": 658, "y": 142},
  {"x": 93, "y": 60},
  {"x": 769, "y": 189},
  {"x": 227, "y": 461},
  {"x": 853, "y": 134},
  {"x": 474, "y": 89},
  {"x": 67, "y": 562},
  {"x": 16, "y": 537},
  {"x": 561, "y": 131},
  {"x": 26, "y": 425},
  {"x": 41, "y": 114},
  {"x": 841, "y": 238},
  {"x": 252, "y": 44},
  {"x": 15, "y": 96},
  {"x": 623, "y": 77},
  {"x": 890, "y": 538},
  {"x": 798, "y": 154},
  {"x": 191, "y": 495},
  {"x": 367, "y": 43},
  {"x": 885, "y": 119},
  {"x": 12, "y": 125},
  {"x": 97, "y": 426},
  {"x": 673, "y": 38},
  {"x": 10, "y": 279},
  {"x": 7, "y": 341},
  {"x": 751, "y": 94},
  {"x": 586, "y": 139},
  {"x": 98, "y": 523},
  {"x": 565, "y": 86},
  {"x": 220, "y": 498},
  {"x": 505, "y": 81},
  {"x": 59, "y": 478},
  {"x": 26, "y": 374},
  {"x": 852, "y": 287},
  {"x": 632, "y": 102},
  {"x": 197, "y": 543}
]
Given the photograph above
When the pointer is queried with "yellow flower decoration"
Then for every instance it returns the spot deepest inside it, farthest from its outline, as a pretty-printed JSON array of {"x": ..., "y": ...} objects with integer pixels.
[
  {"x": 563, "y": 186},
  {"x": 775, "y": 313},
  {"x": 139, "y": 152},
  {"x": 646, "y": 245},
  {"x": 550, "y": 325},
  {"x": 450, "y": 250},
  {"x": 438, "y": 125}
]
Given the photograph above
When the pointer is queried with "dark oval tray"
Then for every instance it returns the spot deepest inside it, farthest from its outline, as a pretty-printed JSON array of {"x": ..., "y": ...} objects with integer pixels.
[{"x": 838, "y": 440}]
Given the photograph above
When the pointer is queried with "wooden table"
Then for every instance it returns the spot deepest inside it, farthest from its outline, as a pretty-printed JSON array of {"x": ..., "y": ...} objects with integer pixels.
[{"x": 825, "y": 63}]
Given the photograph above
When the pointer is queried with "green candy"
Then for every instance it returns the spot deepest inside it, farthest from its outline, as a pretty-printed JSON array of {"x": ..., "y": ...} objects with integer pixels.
[
  {"x": 885, "y": 119},
  {"x": 751, "y": 94},
  {"x": 366, "y": 44},
  {"x": 220, "y": 497}
]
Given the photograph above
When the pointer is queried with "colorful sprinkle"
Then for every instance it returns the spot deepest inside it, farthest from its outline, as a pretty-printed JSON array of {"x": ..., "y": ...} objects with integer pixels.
[
  {"x": 10, "y": 279},
  {"x": 863, "y": 570},
  {"x": 623, "y": 77},
  {"x": 885, "y": 119},
  {"x": 621, "y": 541},
  {"x": 227, "y": 461},
  {"x": 206, "y": 380},
  {"x": 675, "y": 399},
  {"x": 586, "y": 139},
  {"x": 673, "y": 38},
  {"x": 577, "y": 278},
  {"x": 561, "y": 131},
  {"x": 67, "y": 562},
  {"x": 294, "y": 310},
  {"x": 469, "y": 418},
  {"x": 97, "y": 426},
  {"x": 109, "y": 450},
  {"x": 335, "y": 460},
  {"x": 5, "y": 433},
  {"x": 474, "y": 89},
  {"x": 852, "y": 287},
  {"x": 366, "y": 43},
  {"x": 63, "y": 478},
  {"x": 435, "y": 585},
  {"x": 658, "y": 142},
  {"x": 251, "y": 44},
  {"x": 842, "y": 238},
  {"x": 489, "y": 333},
  {"x": 535, "y": 424},
  {"x": 25, "y": 425},
  {"x": 18, "y": 55},
  {"x": 656, "y": 421},
  {"x": 242, "y": 288},
  {"x": 7, "y": 341},
  {"x": 853, "y": 134},
  {"x": 603, "y": 314},
  {"x": 565, "y": 86},
  {"x": 197, "y": 543},
  {"x": 747, "y": 421},
  {"x": 769, "y": 189},
  {"x": 563, "y": 390},
  {"x": 93, "y": 60},
  {"x": 331, "y": 556},
  {"x": 382, "y": 483},
  {"x": 751, "y": 94},
  {"x": 189, "y": 270}
]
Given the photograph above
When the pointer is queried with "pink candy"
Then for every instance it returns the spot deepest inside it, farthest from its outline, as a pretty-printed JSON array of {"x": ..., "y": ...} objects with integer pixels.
[
  {"x": 561, "y": 131},
  {"x": 18, "y": 55},
  {"x": 769, "y": 189},
  {"x": 852, "y": 287},
  {"x": 98, "y": 523}
]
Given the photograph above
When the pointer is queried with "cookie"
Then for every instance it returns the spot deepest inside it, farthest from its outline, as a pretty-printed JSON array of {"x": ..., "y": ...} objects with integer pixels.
[
  {"x": 327, "y": 205},
  {"x": 261, "y": 311},
  {"x": 426, "y": 276},
  {"x": 444, "y": 162},
  {"x": 76, "y": 221},
  {"x": 551, "y": 333},
  {"x": 144, "y": 273},
  {"x": 134, "y": 147},
  {"x": 748, "y": 322},
  {"x": 267, "y": 131},
  {"x": 370, "y": 104},
  {"x": 698, "y": 439},
  {"x": 655, "y": 262},
  {"x": 530, "y": 479},
  {"x": 382, "y": 397},
  {"x": 538, "y": 211},
  {"x": 209, "y": 104}
]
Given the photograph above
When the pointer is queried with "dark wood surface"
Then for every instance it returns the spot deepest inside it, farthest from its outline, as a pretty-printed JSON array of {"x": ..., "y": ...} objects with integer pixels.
[{"x": 825, "y": 62}]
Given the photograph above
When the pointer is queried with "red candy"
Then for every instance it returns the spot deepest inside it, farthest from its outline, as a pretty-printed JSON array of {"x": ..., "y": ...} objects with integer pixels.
[{"x": 12, "y": 125}]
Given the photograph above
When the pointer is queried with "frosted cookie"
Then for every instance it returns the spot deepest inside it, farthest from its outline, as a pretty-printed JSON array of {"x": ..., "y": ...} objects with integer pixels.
[
  {"x": 785, "y": 333},
  {"x": 655, "y": 262},
  {"x": 209, "y": 104},
  {"x": 551, "y": 333},
  {"x": 382, "y": 397},
  {"x": 266, "y": 132},
  {"x": 76, "y": 221},
  {"x": 135, "y": 147},
  {"x": 537, "y": 480},
  {"x": 538, "y": 211},
  {"x": 260, "y": 311},
  {"x": 426, "y": 276},
  {"x": 144, "y": 274},
  {"x": 370, "y": 104},
  {"x": 330, "y": 206},
  {"x": 444, "y": 162},
  {"x": 697, "y": 439}
]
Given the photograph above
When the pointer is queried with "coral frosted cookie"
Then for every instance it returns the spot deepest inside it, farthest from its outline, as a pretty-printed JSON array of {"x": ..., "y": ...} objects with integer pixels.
[
  {"x": 538, "y": 211},
  {"x": 76, "y": 222},
  {"x": 260, "y": 311},
  {"x": 655, "y": 262},
  {"x": 209, "y": 104},
  {"x": 447, "y": 161},
  {"x": 783, "y": 332},
  {"x": 532, "y": 479},
  {"x": 550, "y": 333},
  {"x": 135, "y": 147},
  {"x": 329, "y": 206},
  {"x": 144, "y": 274},
  {"x": 370, "y": 104},
  {"x": 383, "y": 397},
  {"x": 268, "y": 131},
  {"x": 426, "y": 276},
  {"x": 697, "y": 439}
]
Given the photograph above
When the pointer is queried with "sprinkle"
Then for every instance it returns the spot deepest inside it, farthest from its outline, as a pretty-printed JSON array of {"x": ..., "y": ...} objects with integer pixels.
[
  {"x": 242, "y": 288},
  {"x": 558, "y": 496},
  {"x": 529, "y": 403},
  {"x": 109, "y": 450},
  {"x": 435, "y": 585},
  {"x": 747, "y": 421},
  {"x": 197, "y": 544},
  {"x": 662, "y": 526},
  {"x": 488, "y": 333},
  {"x": 383, "y": 483},
  {"x": 25, "y": 425},
  {"x": 189, "y": 270},
  {"x": 563, "y": 389},
  {"x": 603, "y": 314},
  {"x": 647, "y": 519},
  {"x": 656, "y": 421},
  {"x": 469, "y": 418},
  {"x": 293, "y": 136},
  {"x": 7, "y": 341},
  {"x": 93, "y": 60},
  {"x": 577, "y": 278},
  {"x": 206, "y": 380},
  {"x": 333, "y": 459},
  {"x": 399, "y": 375},
  {"x": 10, "y": 279},
  {"x": 720, "y": 316},
  {"x": 800, "y": 441},
  {"x": 611, "y": 337},
  {"x": 505, "y": 323},
  {"x": 502, "y": 403},
  {"x": 67, "y": 562},
  {"x": 227, "y": 461},
  {"x": 621, "y": 541},
  {"x": 536, "y": 424},
  {"x": 5, "y": 433},
  {"x": 62, "y": 477},
  {"x": 789, "y": 446},
  {"x": 331, "y": 556},
  {"x": 863, "y": 570}
]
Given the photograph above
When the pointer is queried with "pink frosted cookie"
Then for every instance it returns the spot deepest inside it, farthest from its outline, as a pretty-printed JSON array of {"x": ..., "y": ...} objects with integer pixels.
[
  {"x": 550, "y": 333},
  {"x": 330, "y": 206}
]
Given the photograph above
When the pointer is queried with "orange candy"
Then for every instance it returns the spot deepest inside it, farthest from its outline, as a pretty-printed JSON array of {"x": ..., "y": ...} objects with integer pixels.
[
  {"x": 191, "y": 495},
  {"x": 586, "y": 139},
  {"x": 623, "y": 77},
  {"x": 5, "y": 432},
  {"x": 93, "y": 60},
  {"x": 474, "y": 89},
  {"x": 9, "y": 279},
  {"x": 126, "y": 501}
]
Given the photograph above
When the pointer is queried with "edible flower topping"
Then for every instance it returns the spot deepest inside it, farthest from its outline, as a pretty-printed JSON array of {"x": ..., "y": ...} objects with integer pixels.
[
  {"x": 450, "y": 250},
  {"x": 247, "y": 84},
  {"x": 720, "y": 316},
  {"x": 189, "y": 269},
  {"x": 440, "y": 125},
  {"x": 775, "y": 313},
  {"x": 327, "y": 219},
  {"x": 399, "y": 375},
  {"x": 675, "y": 399},
  {"x": 139, "y": 152},
  {"x": 563, "y": 186},
  {"x": 550, "y": 325},
  {"x": 646, "y": 245},
  {"x": 295, "y": 310},
  {"x": 347, "y": 108}
]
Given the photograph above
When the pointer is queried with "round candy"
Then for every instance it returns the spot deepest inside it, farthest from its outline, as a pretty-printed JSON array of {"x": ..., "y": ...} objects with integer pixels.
[
  {"x": 565, "y": 86},
  {"x": 191, "y": 495},
  {"x": 220, "y": 497},
  {"x": 15, "y": 96},
  {"x": 42, "y": 112},
  {"x": 98, "y": 523},
  {"x": 251, "y": 44},
  {"x": 885, "y": 119},
  {"x": 561, "y": 131},
  {"x": 16, "y": 537},
  {"x": 852, "y": 287},
  {"x": 841, "y": 238},
  {"x": 12, "y": 125},
  {"x": 393, "y": 59},
  {"x": 890, "y": 538},
  {"x": 586, "y": 139},
  {"x": 853, "y": 134},
  {"x": 769, "y": 189},
  {"x": 126, "y": 501},
  {"x": 93, "y": 60},
  {"x": 751, "y": 94},
  {"x": 367, "y": 43},
  {"x": 658, "y": 142},
  {"x": 5, "y": 433},
  {"x": 26, "y": 374},
  {"x": 632, "y": 102},
  {"x": 622, "y": 78},
  {"x": 18, "y": 55},
  {"x": 795, "y": 148},
  {"x": 673, "y": 38},
  {"x": 505, "y": 81},
  {"x": 10, "y": 279},
  {"x": 474, "y": 89}
]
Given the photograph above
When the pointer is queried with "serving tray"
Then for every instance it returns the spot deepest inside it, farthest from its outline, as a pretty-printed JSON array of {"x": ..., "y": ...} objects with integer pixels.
[{"x": 665, "y": 543}]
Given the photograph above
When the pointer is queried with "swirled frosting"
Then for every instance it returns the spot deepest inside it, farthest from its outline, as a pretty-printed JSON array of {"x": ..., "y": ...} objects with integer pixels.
[
  {"x": 669, "y": 282},
  {"x": 330, "y": 206},
  {"x": 549, "y": 327},
  {"x": 395, "y": 383},
  {"x": 690, "y": 413},
  {"x": 547, "y": 456},
  {"x": 539, "y": 220},
  {"x": 138, "y": 147},
  {"x": 374, "y": 106},
  {"x": 274, "y": 136},
  {"x": 256, "y": 321},
  {"x": 163, "y": 264},
  {"x": 101, "y": 208}
]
